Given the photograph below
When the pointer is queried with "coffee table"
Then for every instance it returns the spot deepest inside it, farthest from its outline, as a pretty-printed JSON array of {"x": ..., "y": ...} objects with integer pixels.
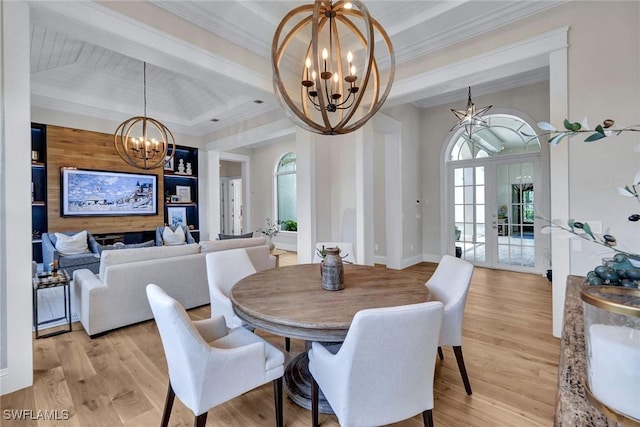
[
  {"x": 46, "y": 281},
  {"x": 289, "y": 301}
]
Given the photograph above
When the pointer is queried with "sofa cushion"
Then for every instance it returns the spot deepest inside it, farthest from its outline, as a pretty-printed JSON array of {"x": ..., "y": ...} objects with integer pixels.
[
  {"x": 223, "y": 245},
  {"x": 173, "y": 237},
  {"x": 69, "y": 245},
  {"x": 109, "y": 258},
  {"x": 75, "y": 260},
  {"x": 120, "y": 245},
  {"x": 235, "y": 236}
]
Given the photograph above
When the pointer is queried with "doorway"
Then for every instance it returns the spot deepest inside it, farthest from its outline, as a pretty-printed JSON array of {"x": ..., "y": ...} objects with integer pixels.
[
  {"x": 231, "y": 198},
  {"x": 495, "y": 189}
]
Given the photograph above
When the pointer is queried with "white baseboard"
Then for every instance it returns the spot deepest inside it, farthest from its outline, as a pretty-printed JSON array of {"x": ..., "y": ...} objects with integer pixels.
[
  {"x": 287, "y": 247},
  {"x": 431, "y": 258},
  {"x": 380, "y": 259},
  {"x": 408, "y": 262}
]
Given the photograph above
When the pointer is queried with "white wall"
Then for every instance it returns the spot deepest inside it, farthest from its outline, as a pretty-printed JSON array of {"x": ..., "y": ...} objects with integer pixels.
[
  {"x": 379, "y": 200},
  {"x": 602, "y": 90},
  {"x": 16, "y": 363},
  {"x": 412, "y": 164}
]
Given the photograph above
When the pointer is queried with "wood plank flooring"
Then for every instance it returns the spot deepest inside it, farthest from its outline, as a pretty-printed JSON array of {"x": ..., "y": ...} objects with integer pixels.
[{"x": 120, "y": 379}]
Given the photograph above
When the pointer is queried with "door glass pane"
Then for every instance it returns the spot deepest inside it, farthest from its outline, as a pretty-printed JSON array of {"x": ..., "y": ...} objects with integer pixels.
[
  {"x": 515, "y": 213},
  {"x": 469, "y": 210},
  {"x": 458, "y": 195}
]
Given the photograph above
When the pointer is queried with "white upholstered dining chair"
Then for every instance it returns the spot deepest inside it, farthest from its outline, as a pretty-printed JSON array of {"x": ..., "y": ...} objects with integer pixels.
[
  {"x": 450, "y": 285},
  {"x": 346, "y": 251},
  {"x": 209, "y": 364},
  {"x": 225, "y": 269},
  {"x": 369, "y": 382}
]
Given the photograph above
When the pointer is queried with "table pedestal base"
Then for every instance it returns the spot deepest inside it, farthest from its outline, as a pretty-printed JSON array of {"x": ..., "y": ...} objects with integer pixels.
[{"x": 297, "y": 380}]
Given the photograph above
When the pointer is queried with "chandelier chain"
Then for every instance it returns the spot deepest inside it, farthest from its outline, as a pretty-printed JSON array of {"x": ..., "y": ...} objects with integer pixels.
[{"x": 144, "y": 83}]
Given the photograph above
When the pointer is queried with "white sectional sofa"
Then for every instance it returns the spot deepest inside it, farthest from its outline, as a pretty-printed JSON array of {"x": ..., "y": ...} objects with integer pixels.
[{"x": 116, "y": 297}]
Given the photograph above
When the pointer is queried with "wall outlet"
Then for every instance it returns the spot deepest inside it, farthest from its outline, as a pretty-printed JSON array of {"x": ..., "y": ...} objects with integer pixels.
[
  {"x": 410, "y": 247},
  {"x": 375, "y": 247}
]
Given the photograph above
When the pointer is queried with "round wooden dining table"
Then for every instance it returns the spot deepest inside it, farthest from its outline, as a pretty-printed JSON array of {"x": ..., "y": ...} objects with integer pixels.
[{"x": 290, "y": 302}]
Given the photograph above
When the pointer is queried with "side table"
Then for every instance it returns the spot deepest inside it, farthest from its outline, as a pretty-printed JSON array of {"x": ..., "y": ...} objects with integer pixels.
[
  {"x": 47, "y": 281},
  {"x": 276, "y": 253}
]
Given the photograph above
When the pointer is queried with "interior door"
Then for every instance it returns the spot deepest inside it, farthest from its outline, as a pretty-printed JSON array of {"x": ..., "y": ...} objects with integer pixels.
[{"x": 236, "y": 205}]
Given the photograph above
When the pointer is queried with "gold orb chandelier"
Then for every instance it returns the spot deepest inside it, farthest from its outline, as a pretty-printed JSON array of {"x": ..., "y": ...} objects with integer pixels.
[
  {"x": 326, "y": 95},
  {"x": 144, "y": 142}
]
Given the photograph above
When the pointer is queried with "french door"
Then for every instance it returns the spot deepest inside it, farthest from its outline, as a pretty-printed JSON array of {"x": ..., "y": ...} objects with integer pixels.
[{"x": 492, "y": 209}]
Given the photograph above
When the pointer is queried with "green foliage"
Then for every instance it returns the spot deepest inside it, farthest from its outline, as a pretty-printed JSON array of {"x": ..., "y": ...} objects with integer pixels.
[
  {"x": 322, "y": 253},
  {"x": 572, "y": 128},
  {"x": 289, "y": 225}
]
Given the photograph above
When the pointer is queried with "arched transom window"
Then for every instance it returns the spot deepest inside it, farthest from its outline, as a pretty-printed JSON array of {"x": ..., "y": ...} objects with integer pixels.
[{"x": 504, "y": 135}]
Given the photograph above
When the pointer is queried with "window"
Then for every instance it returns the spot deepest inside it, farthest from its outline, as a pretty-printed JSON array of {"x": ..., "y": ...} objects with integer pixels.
[
  {"x": 504, "y": 134},
  {"x": 285, "y": 182}
]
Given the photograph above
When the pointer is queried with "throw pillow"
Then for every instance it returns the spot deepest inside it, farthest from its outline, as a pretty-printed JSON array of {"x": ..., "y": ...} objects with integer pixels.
[
  {"x": 69, "y": 245},
  {"x": 235, "y": 236},
  {"x": 170, "y": 237}
]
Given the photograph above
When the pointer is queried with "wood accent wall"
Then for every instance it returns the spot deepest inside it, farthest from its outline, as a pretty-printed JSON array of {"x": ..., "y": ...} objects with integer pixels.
[{"x": 91, "y": 150}]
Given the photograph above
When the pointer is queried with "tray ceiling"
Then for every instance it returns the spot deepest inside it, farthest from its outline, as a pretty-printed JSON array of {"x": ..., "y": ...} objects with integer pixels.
[{"x": 96, "y": 71}]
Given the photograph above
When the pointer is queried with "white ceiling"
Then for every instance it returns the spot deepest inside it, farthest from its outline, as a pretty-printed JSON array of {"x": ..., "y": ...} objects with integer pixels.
[{"x": 81, "y": 62}]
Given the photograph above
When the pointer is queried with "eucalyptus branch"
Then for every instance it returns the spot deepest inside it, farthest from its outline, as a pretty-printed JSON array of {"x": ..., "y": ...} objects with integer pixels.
[
  {"x": 573, "y": 128},
  {"x": 606, "y": 240}
]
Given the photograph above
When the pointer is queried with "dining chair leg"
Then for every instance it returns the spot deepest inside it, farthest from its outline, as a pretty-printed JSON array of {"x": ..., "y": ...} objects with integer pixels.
[
  {"x": 463, "y": 371},
  {"x": 277, "y": 399},
  {"x": 440, "y": 353},
  {"x": 314, "y": 403},
  {"x": 168, "y": 405},
  {"x": 427, "y": 416},
  {"x": 287, "y": 344},
  {"x": 201, "y": 420}
]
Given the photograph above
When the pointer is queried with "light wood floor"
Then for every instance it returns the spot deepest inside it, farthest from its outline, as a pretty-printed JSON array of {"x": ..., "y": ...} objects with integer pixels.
[{"x": 120, "y": 379}]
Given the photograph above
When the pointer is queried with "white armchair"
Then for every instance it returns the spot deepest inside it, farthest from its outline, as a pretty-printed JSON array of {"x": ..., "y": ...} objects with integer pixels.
[
  {"x": 450, "y": 285},
  {"x": 346, "y": 251},
  {"x": 225, "y": 269},
  {"x": 208, "y": 364},
  {"x": 369, "y": 382}
]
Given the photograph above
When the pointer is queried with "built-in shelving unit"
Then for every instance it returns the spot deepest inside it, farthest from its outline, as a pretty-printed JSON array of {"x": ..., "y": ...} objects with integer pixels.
[
  {"x": 38, "y": 188},
  {"x": 181, "y": 187}
]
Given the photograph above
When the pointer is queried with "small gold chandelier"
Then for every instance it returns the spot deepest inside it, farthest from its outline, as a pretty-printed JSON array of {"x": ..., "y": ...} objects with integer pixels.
[
  {"x": 152, "y": 143},
  {"x": 330, "y": 98}
]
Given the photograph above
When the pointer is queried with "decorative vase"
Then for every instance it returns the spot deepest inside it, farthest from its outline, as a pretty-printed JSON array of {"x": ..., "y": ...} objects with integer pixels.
[
  {"x": 332, "y": 270},
  {"x": 272, "y": 246}
]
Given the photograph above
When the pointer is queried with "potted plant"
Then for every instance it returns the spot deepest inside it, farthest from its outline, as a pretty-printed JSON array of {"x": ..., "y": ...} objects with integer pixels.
[{"x": 269, "y": 231}]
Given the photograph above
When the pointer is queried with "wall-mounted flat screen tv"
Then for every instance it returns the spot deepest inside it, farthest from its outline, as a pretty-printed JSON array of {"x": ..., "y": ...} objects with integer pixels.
[{"x": 101, "y": 193}]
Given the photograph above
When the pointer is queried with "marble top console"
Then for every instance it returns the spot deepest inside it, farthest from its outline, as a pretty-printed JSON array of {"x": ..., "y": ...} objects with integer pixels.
[{"x": 572, "y": 407}]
